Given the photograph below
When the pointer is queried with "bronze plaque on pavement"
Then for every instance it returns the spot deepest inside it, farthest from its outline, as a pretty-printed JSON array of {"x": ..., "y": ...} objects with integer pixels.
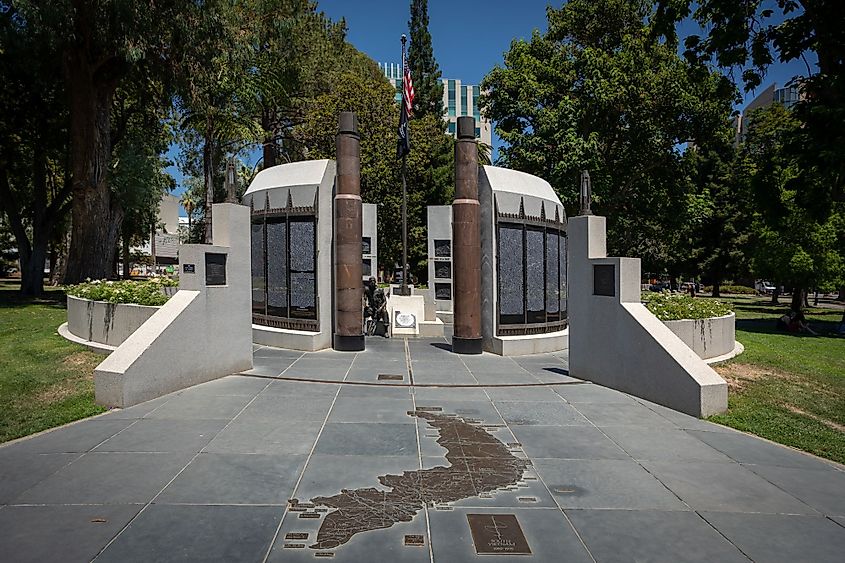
[{"x": 497, "y": 534}]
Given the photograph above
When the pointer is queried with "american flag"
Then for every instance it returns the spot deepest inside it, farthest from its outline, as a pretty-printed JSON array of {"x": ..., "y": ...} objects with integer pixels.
[
  {"x": 408, "y": 89},
  {"x": 404, "y": 145}
]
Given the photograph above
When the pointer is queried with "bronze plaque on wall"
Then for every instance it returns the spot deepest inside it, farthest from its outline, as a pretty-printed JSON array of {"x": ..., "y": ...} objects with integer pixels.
[
  {"x": 604, "y": 280},
  {"x": 497, "y": 534},
  {"x": 215, "y": 268}
]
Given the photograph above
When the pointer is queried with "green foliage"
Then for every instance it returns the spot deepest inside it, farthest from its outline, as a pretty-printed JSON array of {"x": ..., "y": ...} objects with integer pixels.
[
  {"x": 425, "y": 73},
  {"x": 148, "y": 292},
  {"x": 597, "y": 91},
  {"x": 733, "y": 289},
  {"x": 673, "y": 307}
]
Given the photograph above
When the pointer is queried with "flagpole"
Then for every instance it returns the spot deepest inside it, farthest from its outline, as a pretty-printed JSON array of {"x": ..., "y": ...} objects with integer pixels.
[{"x": 404, "y": 288}]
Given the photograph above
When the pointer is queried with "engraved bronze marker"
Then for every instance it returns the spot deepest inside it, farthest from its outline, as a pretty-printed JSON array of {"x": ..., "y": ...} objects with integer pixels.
[
  {"x": 497, "y": 534},
  {"x": 349, "y": 284},
  {"x": 466, "y": 243},
  {"x": 415, "y": 540}
]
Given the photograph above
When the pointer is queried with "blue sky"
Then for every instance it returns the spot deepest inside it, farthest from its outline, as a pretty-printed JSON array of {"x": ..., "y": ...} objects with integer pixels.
[{"x": 469, "y": 37}]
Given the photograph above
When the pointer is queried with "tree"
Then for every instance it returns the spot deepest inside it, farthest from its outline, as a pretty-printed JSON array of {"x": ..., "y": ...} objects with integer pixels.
[
  {"x": 425, "y": 73},
  {"x": 598, "y": 91},
  {"x": 791, "y": 245}
]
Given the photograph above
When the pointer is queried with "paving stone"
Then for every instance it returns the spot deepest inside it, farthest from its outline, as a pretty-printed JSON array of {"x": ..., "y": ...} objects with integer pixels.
[
  {"x": 750, "y": 449},
  {"x": 327, "y": 475},
  {"x": 20, "y": 471},
  {"x": 196, "y": 533},
  {"x": 430, "y": 394},
  {"x": 776, "y": 538},
  {"x": 566, "y": 442},
  {"x": 534, "y": 413},
  {"x": 368, "y": 439},
  {"x": 682, "y": 420},
  {"x": 625, "y": 414},
  {"x": 154, "y": 435},
  {"x": 590, "y": 393},
  {"x": 301, "y": 389},
  {"x": 265, "y": 437},
  {"x": 724, "y": 487},
  {"x": 549, "y": 536},
  {"x": 617, "y": 536},
  {"x": 231, "y": 385},
  {"x": 372, "y": 410},
  {"x": 136, "y": 411},
  {"x": 235, "y": 479},
  {"x": 542, "y": 394},
  {"x": 203, "y": 407},
  {"x": 380, "y": 392},
  {"x": 662, "y": 444},
  {"x": 107, "y": 478},
  {"x": 483, "y": 411},
  {"x": 823, "y": 490},
  {"x": 74, "y": 438},
  {"x": 268, "y": 408},
  {"x": 267, "y": 369},
  {"x": 60, "y": 533},
  {"x": 622, "y": 484}
]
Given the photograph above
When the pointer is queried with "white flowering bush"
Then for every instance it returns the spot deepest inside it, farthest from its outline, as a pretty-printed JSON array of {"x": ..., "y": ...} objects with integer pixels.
[
  {"x": 148, "y": 292},
  {"x": 674, "y": 307}
]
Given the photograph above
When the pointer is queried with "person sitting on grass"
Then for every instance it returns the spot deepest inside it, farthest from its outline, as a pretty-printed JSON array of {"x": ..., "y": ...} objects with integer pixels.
[{"x": 798, "y": 323}]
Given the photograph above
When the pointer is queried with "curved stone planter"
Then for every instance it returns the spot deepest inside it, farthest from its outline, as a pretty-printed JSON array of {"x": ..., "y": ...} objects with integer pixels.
[
  {"x": 105, "y": 323},
  {"x": 709, "y": 338}
]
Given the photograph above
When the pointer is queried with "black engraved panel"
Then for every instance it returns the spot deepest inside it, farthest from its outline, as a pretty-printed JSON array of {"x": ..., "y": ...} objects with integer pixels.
[
  {"x": 535, "y": 276},
  {"x": 303, "y": 304},
  {"x": 215, "y": 268},
  {"x": 443, "y": 269},
  {"x": 563, "y": 270},
  {"x": 498, "y": 534},
  {"x": 277, "y": 275},
  {"x": 367, "y": 267},
  {"x": 366, "y": 245},
  {"x": 552, "y": 277},
  {"x": 511, "y": 294},
  {"x": 604, "y": 280},
  {"x": 443, "y": 291},
  {"x": 442, "y": 248},
  {"x": 257, "y": 256},
  {"x": 302, "y": 245}
]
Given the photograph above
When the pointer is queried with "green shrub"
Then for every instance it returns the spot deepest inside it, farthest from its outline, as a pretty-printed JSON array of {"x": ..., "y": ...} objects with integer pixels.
[
  {"x": 149, "y": 292},
  {"x": 735, "y": 289},
  {"x": 673, "y": 307}
]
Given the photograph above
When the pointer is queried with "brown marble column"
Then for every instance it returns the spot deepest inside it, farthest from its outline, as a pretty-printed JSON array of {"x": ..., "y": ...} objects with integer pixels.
[
  {"x": 348, "y": 281},
  {"x": 466, "y": 243}
]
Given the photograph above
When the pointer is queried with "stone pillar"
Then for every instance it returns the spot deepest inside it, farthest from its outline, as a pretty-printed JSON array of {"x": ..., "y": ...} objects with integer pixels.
[
  {"x": 466, "y": 243},
  {"x": 349, "y": 287}
]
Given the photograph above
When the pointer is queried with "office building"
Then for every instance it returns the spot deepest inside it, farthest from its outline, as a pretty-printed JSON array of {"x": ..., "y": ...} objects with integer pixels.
[{"x": 788, "y": 96}]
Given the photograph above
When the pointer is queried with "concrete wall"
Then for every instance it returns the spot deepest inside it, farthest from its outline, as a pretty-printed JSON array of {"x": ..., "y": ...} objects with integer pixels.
[
  {"x": 369, "y": 228},
  {"x": 105, "y": 323},
  {"x": 439, "y": 227},
  {"x": 616, "y": 342},
  {"x": 202, "y": 333},
  {"x": 708, "y": 338}
]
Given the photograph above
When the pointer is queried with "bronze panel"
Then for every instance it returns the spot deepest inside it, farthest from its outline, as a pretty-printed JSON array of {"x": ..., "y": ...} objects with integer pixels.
[{"x": 497, "y": 534}]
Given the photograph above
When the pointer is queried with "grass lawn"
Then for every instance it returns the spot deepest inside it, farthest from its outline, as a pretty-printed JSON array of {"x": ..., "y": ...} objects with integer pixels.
[
  {"x": 789, "y": 388},
  {"x": 45, "y": 381}
]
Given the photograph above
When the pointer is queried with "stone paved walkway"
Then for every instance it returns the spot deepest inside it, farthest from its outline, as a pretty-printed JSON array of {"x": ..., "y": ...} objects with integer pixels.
[{"x": 208, "y": 474}]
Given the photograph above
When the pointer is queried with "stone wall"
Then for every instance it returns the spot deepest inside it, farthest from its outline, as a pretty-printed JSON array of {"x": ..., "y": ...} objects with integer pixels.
[
  {"x": 708, "y": 338},
  {"x": 105, "y": 323}
]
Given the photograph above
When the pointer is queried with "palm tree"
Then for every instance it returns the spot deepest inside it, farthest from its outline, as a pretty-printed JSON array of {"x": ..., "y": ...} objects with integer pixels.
[{"x": 189, "y": 201}]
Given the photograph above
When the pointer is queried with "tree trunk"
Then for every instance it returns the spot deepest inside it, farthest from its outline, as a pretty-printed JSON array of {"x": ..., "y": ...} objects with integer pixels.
[
  {"x": 841, "y": 296},
  {"x": 775, "y": 295},
  {"x": 125, "y": 251},
  {"x": 269, "y": 147},
  {"x": 717, "y": 282},
  {"x": 95, "y": 220},
  {"x": 797, "y": 299},
  {"x": 32, "y": 270},
  {"x": 208, "y": 174}
]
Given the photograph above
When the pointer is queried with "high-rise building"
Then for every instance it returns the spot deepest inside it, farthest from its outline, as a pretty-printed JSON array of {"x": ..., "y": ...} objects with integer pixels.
[
  {"x": 788, "y": 96},
  {"x": 458, "y": 100}
]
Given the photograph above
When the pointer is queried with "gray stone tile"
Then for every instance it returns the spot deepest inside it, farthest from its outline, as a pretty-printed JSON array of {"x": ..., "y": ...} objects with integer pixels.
[
  {"x": 153, "y": 435},
  {"x": 622, "y": 484},
  {"x": 549, "y": 536},
  {"x": 483, "y": 411},
  {"x": 235, "y": 479},
  {"x": 327, "y": 475},
  {"x": 823, "y": 490},
  {"x": 277, "y": 353},
  {"x": 203, "y": 407},
  {"x": 229, "y": 385},
  {"x": 269, "y": 408},
  {"x": 272, "y": 369},
  {"x": 381, "y": 392},
  {"x": 617, "y": 536},
  {"x": 265, "y": 437},
  {"x": 590, "y": 393},
  {"x": 301, "y": 389},
  {"x": 75, "y": 438},
  {"x": 444, "y": 378},
  {"x": 107, "y": 478},
  {"x": 368, "y": 439},
  {"x": 566, "y": 442},
  {"x": 196, "y": 533},
  {"x": 775, "y": 537},
  {"x": 724, "y": 487},
  {"x": 750, "y": 449},
  {"x": 371, "y": 374},
  {"x": 662, "y": 444},
  {"x": 542, "y": 394},
  {"x": 839, "y": 520},
  {"x": 621, "y": 414},
  {"x": 137, "y": 411},
  {"x": 20, "y": 471},
  {"x": 372, "y": 410},
  {"x": 316, "y": 374},
  {"x": 60, "y": 533},
  {"x": 428, "y": 394},
  {"x": 682, "y": 420},
  {"x": 535, "y": 413}
]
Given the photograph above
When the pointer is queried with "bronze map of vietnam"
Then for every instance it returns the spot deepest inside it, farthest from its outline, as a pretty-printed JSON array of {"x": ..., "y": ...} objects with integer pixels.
[{"x": 480, "y": 463}]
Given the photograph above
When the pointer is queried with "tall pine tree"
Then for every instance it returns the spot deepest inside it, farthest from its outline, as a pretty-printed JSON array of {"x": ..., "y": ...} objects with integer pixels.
[{"x": 428, "y": 88}]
